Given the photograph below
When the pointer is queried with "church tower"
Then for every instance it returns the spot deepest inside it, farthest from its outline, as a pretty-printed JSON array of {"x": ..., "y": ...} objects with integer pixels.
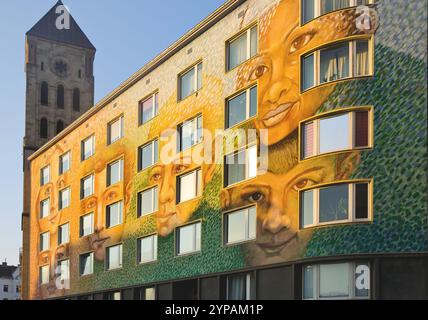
[{"x": 59, "y": 89}]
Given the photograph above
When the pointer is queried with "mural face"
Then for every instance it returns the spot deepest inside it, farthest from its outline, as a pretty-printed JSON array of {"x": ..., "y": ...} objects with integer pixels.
[{"x": 275, "y": 192}]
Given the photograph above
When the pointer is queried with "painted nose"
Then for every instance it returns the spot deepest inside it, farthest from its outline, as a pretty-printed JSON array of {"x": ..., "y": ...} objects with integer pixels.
[
  {"x": 166, "y": 193},
  {"x": 278, "y": 89},
  {"x": 275, "y": 221}
]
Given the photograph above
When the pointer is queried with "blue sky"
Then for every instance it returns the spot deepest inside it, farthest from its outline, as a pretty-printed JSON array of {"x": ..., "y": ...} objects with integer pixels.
[{"x": 127, "y": 34}]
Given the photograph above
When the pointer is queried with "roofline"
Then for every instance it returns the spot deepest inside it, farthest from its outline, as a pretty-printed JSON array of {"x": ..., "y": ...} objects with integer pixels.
[
  {"x": 191, "y": 35},
  {"x": 29, "y": 37}
]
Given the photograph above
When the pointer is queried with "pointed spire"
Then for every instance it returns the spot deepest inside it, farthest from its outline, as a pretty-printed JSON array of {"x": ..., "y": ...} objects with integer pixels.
[{"x": 46, "y": 28}]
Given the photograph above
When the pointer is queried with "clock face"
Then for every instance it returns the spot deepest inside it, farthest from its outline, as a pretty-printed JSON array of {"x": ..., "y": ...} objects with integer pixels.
[{"x": 60, "y": 67}]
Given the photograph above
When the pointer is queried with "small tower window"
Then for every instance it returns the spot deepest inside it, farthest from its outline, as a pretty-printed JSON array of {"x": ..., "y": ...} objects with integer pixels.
[
  {"x": 60, "y": 97},
  {"x": 44, "y": 94},
  {"x": 80, "y": 74},
  {"x": 59, "y": 126},
  {"x": 44, "y": 128},
  {"x": 76, "y": 100},
  {"x": 42, "y": 66}
]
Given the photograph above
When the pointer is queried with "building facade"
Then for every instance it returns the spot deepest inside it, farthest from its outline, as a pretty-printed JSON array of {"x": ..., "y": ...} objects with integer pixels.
[
  {"x": 276, "y": 151},
  {"x": 59, "y": 89},
  {"x": 10, "y": 282}
]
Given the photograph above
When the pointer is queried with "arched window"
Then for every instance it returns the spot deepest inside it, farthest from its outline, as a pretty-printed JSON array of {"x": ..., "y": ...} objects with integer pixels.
[
  {"x": 60, "y": 97},
  {"x": 44, "y": 94},
  {"x": 59, "y": 126},
  {"x": 76, "y": 99},
  {"x": 44, "y": 128}
]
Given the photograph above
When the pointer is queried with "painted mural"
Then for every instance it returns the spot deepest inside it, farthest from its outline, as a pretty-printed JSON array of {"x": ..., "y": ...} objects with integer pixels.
[{"x": 396, "y": 91}]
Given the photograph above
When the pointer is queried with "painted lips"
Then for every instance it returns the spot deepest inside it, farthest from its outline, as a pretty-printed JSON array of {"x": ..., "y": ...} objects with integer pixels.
[
  {"x": 274, "y": 117},
  {"x": 276, "y": 244}
]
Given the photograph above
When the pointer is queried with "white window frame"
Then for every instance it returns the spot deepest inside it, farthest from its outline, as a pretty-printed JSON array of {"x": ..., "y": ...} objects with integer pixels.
[
  {"x": 42, "y": 175},
  {"x": 48, "y": 239},
  {"x": 154, "y": 155},
  {"x": 120, "y": 203},
  {"x": 247, "y": 164},
  {"x": 246, "y": 222},
  {"x": 246, "y": 32},
  {"x": 120, "y": 245},
  {"x": 108, "y": 171},
  {"x": 81, "y": 225},
  {"x": 82, "y": 186},
  {"x": 61, "y": 167},
  {"x": 61, "y": 192},
  {"x": 317, "y": 9},
  {"x": 317, "y": 281},
  {"x": 41, "y": 273},
  {"x": 48, "y": 201},
  {"x": 198, "y": 184},
  {"x": 60, "y": 240},
  {"x": 155, "y": 205},
  {"x": 197, "y": 247},
  {"x": 91, "y": 255},
  {"x": 352, "y": 48},
  {"x": 61, "y": 275},
  {"x": 351, "y": 204},
  {"x": 193, "y": 68},
  {"x": 194, "y": 123},
  {"x": 155, "y": 110},
  {"x": 154, "y": 249},
  {"x": 247, "y": 106},
  {"x": 83, "y": 148},
  {"x": 109, "y": 136}
]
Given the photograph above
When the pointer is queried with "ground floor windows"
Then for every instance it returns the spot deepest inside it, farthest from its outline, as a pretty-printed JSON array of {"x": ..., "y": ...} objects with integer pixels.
[
  {"x": 239, "y": 286},
  {"x": 336, "y": 281}
]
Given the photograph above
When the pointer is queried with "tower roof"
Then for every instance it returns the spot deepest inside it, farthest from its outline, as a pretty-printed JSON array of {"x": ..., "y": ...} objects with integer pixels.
[{"x": 46, "y": 29}]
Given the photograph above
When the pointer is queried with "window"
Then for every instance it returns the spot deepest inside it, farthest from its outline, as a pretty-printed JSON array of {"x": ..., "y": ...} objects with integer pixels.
[
  {"x": 44, "y": 208},
  {"x": 114, "y": 214},
  {"x": 239, "y": 286},
  {"x": 346, "y": 202},
  {"x": 339, "y": 132},
  {"x": 115, "y": 130},
  {"x": 336, "y": 281},
  {"x": 87, "y": 187},
  {"x": 86, "y": 225},
  {"x": 44, "y": 94},
  {"x": 44, "y": 241},
  {"x": 189, "y": 133},
  {"x": 64, "y": 234},
  {"x": 5, "y": 288},
  {"x": 88, "y": 148},
  {"x": 44, "y": 130},
  {"x": 148, "y": 293},
  {"x": 64, "y": 163},
  {"x": 147, "y": 202},
  {"x": 64, "y": 198},
  {"x": 60, "y": 97},
  {"x": 116, "y": 296},
  {"x": 148, "y": 109},
  {"x": 334, "y": 63},
  {"x": 114, "y": 172},
  {"x": 147, "y": 249},
  {"x": 45, "y": 175},
  {"x": 189, "y": 186},
  {"x": 242, "y": 48},
  {"x": 64, "y": 268},
  {"x": 44, "y": 275},
  {"x": 148, "y": 155},
  {"x": 190, "y": 81},
  {"x": 188, "y": 239},
  {"x": 240, "y": 166},
  {"x": 114, "y": 257},
  {"x": 18, "y": 289},
  {"x": 86, "y": 264},
  {"x": 240, "y": 226},
  {"x": 76, "y": 99},
  {"x": 241, "y": 107},
  {"x": 59, "y": 126},
  {"x": 312, "y": 9}
]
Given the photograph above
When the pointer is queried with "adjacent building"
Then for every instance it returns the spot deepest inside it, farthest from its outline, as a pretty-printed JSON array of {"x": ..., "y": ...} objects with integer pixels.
[
  {"x": 10, "y": 282},
  {"x": 275, "y": 151}
]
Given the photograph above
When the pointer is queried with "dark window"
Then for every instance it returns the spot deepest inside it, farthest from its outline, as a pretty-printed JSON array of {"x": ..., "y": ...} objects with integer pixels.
[
  {"x": 42, "y": 66},
  {"x": 5, "y": 288},
  {"x": 44, "y": 94},
  {"x": 361, "y": 129},
  {"x": 59, "y": 126},
  {"x": 60, "y": 97},
  {"x": 80, "y": 74},
  {"x": 362, "y": 201},
  {"x": 76, "y": 99},
  {"x": 44, "y": 128},
  {"x": 185, "y": 290}
]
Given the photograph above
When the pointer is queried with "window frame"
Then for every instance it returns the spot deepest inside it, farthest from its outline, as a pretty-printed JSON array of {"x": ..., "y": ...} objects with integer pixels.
[
  {"x": 177, "y": 239},
  {"x": 48, "y": 200},
  {"x": 155, "y": 248},
  {"x": 352, "y": 47},
  {"x": 351, "y": 204},
  {"x": 155, "y": 157},
  {"x": 108, "y": 214},
  {"x": 107, "y": 260},
  {"x": 317, "y": 9},
  {"x": 121, "y": 171},
  {"x": 60, "y": 192},
  {"x": 60, "y": 240},
  {"x": 155, "y": 107},
  {"x": 155, "y": 205},
  {"x": 81, "y": 220},
  {"x": 42, "y": 180},
  {"x": 82, "y": 148},
  {"x": 61, "y": 170},
  {"x": 247, "y": 31},
  {"x": 82, "y": 184},
  {"x": 48, "y": 245},
  {"x": 41, "y": 268},
  {"x": 90, "y": 254},
  {"x": 247, "y": 165},
  {"x": 198, "y": 192},
  {"x": 351, "y": 111},
  {"x": 225, "y": 226},
  {"x": 195, "y": 68},
  {"x": 119, "y": 119},
  {"x": 194, "y": 122},
  {"x": 249, "y": 284},
  {"x": 247, "y": 106},
  {"x": 69, "y": 269}
]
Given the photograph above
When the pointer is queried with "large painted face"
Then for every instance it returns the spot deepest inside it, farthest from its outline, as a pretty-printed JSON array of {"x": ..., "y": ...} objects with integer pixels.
[
  {"x": 277, "y": 198},
  {"x": 282, "y": 42}
]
